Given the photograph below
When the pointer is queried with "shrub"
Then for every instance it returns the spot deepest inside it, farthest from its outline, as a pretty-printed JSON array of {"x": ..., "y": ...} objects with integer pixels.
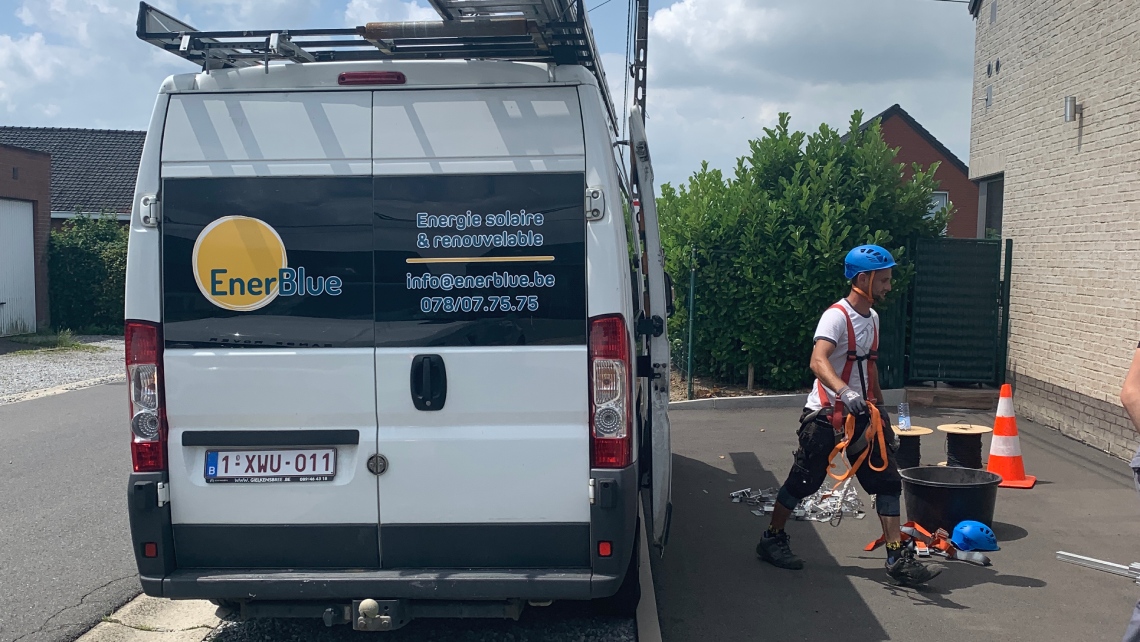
[
  {"x": 87, "y": 261},
  {"x": 769, "y": 242}
]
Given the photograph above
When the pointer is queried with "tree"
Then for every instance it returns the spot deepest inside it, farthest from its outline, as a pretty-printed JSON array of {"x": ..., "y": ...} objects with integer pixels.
[{"x": 769, "y": 242}]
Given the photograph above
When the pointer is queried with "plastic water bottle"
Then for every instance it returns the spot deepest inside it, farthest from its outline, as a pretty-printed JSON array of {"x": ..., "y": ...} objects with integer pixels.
[{"x": 904, "y": 416}]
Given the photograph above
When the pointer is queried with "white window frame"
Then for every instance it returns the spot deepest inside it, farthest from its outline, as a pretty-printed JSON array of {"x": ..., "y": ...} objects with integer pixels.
[{"x": 946, "y": 201}]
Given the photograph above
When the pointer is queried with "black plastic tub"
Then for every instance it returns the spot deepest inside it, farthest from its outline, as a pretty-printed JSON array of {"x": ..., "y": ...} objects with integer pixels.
[{"x": 942, "y": 496}]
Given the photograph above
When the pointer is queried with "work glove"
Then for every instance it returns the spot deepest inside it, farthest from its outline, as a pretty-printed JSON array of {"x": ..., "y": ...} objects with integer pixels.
[{"x": 852, "y": 401}]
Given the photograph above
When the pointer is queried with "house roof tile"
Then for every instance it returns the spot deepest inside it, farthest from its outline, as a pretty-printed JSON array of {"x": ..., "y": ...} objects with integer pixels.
[
  {"x": 896, "y": 110},
  {"x": 91, "y": 169}
]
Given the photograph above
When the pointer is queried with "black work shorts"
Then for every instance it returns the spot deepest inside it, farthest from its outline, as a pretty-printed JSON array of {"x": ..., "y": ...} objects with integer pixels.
[{"x": 817, "y": 439}]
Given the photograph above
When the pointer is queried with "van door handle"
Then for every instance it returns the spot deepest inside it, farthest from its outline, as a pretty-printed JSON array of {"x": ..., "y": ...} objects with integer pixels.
[{"x": 429, "y": 382}]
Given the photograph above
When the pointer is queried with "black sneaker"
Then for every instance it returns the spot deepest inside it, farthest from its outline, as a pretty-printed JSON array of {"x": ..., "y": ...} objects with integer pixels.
[
  {"x": 777, "y": 551},
  {"x": 910, "y": 572}
]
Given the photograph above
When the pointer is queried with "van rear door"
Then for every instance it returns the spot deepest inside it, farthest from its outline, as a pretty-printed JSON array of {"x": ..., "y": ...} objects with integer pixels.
[
  {"x": 661, "y": 482},
  {"x": 481, "y": 321},
  {"x": 268, "y": 324}
]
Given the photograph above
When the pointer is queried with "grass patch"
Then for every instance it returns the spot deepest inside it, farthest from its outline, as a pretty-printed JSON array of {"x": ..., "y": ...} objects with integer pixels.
[
  {"x": 81, "y": 347},
  {"x": 61, "y": 341}
]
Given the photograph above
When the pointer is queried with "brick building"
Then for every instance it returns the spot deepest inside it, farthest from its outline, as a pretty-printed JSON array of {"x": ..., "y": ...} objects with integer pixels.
[
  {"x": 25, "y": 209},
  {"x": 917, "y": 145},
  {"x": 93, "y": 170},
  {"x": 1068, "y": 193}
]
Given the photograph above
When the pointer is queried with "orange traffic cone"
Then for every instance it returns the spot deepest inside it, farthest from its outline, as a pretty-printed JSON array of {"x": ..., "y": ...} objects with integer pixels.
[{"x": 1005, "y": 447}]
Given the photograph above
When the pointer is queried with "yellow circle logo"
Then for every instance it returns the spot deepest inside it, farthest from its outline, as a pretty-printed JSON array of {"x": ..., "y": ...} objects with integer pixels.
[{"x": 238, "y": 262}]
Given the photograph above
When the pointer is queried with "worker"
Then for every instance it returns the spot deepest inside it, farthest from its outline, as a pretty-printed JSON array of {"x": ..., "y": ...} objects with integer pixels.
[
  {"x": 1130, "y": 397},
  {"x": 843, "y": 360}
]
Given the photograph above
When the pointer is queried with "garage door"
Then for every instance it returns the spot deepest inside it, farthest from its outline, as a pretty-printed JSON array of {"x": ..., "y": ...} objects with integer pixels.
[{"x": 17, "y": 268}]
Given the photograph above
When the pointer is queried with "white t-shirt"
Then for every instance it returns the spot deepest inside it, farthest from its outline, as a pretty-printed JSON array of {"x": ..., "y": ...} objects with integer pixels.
[{"x": 833, "y": 327}]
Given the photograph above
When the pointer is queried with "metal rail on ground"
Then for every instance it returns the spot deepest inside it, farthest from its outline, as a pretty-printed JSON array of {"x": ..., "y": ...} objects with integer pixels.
[{"x": 1131, "y": 571}]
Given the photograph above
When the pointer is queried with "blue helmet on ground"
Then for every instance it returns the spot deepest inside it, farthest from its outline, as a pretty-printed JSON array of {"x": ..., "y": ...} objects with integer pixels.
[
  {"x": 866, "y": 258},
  {"x": 974, "y": 536}
]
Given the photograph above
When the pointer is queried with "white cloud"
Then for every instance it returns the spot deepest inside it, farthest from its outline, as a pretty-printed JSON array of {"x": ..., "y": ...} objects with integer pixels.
[
  {"x": 722, "y": 70},
  {"x": 360, "y": 12},
  {"x": 719, "y": 70},
  {"x": 74, "y": 19},
  {"x": 79, "y": 63},
  {"x": 47, "y": 110},
  {"x": 26, "y": 63},
  {"x": 245, "y": 14},
  {"x": 735, "y": 23}
]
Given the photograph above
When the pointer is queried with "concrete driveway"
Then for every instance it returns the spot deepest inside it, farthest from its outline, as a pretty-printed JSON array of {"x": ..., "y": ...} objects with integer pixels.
[{"x": 710, "y": 586}]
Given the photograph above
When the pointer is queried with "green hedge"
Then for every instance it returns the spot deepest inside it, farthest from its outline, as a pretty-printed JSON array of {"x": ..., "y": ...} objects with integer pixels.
[
  {"x": 87, "y": 264},
  {"x": 770, "y": 240}
]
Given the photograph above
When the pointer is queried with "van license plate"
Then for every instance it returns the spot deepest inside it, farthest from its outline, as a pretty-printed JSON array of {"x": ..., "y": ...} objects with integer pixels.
[{"x": 265, "y": 466}]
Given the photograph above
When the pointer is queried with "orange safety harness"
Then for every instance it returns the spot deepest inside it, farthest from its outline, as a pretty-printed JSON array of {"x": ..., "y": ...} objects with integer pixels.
[
  {"x": 847, "y": 427},
  {"x": 926, "y": 543}
]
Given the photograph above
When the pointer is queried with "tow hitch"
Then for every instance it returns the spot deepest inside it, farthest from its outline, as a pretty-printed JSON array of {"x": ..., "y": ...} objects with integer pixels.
[
  {"x": 389, "y": 615},
  {"x": 378, "y": 615}
]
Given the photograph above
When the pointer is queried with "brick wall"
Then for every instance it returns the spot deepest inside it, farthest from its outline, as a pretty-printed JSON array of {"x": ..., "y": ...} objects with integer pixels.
[
  {"x": 33, "y": 183},
  {"x": 1072, "y": 202},
  {"x": 1101, "y": 424},
  {"x": 913, "y": 148}
]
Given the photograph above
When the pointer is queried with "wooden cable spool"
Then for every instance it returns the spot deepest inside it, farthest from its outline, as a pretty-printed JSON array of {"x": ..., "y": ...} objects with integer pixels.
[
  {"x": 909, "y": 454},
  {"x": 964, "y": 444}
]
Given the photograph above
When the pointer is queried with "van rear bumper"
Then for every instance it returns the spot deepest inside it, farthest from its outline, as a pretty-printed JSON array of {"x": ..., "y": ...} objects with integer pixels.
[
  {"x": 613, "y": 518},
  {"x": 440, "y": 584}
]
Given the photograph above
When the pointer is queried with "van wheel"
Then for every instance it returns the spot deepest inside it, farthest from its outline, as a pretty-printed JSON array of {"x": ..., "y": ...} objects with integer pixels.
[{"x": 624, "y": 602}]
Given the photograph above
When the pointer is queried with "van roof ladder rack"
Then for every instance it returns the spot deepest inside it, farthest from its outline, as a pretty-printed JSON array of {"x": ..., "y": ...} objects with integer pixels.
[{"x": 551, "y": 31}]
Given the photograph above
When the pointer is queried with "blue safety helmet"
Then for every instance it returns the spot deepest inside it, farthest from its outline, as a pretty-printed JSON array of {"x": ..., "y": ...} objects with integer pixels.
[
  {"x": 974, "y": 536},
  {"x": 866, "y": 258}
]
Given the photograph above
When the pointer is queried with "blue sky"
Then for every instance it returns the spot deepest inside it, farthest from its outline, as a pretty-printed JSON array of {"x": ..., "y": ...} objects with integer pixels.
[{"x": 719, "y": 70}]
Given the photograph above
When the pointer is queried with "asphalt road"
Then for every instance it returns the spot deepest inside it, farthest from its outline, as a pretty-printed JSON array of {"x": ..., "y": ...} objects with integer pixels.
[
  {"x": 65, "y": 555},
  {"x": 65, "y": 558},
  {"x": 710, "y": 586}
]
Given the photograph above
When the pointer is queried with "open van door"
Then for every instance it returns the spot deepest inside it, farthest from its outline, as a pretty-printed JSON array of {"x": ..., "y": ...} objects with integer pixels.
[{"x": 661, "y": 507}]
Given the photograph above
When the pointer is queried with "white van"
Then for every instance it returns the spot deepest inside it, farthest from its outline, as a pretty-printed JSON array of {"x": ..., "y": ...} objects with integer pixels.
[{"x": 394, "y": 344}]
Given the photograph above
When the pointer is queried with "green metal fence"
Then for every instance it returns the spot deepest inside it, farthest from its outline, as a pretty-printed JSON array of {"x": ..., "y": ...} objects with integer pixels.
[
  {"x": 950, "y": 325},
  {"x": 958, "y": 329},
  {"x": 892, "y": 342}
]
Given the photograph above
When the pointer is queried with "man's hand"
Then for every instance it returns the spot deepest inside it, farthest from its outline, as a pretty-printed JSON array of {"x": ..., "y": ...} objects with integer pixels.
[{"x": 852, "y": 400}]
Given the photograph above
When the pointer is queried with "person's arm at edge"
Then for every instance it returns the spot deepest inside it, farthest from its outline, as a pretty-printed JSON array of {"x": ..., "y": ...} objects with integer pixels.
[{"x": 1130, "y": 392}]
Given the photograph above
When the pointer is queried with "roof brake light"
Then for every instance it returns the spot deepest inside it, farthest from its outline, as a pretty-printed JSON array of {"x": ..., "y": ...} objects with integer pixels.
[{"x": 372, "y": 78}]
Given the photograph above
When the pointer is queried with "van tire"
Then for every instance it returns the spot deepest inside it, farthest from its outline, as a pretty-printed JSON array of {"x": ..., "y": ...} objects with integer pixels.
[{"x": 624, "y": 602}]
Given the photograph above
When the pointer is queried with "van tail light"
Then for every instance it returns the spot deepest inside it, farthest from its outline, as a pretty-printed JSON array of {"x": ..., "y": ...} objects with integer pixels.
[
  {"x": 611, "y": 436},
  {"x": 144, "y": 379}
]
